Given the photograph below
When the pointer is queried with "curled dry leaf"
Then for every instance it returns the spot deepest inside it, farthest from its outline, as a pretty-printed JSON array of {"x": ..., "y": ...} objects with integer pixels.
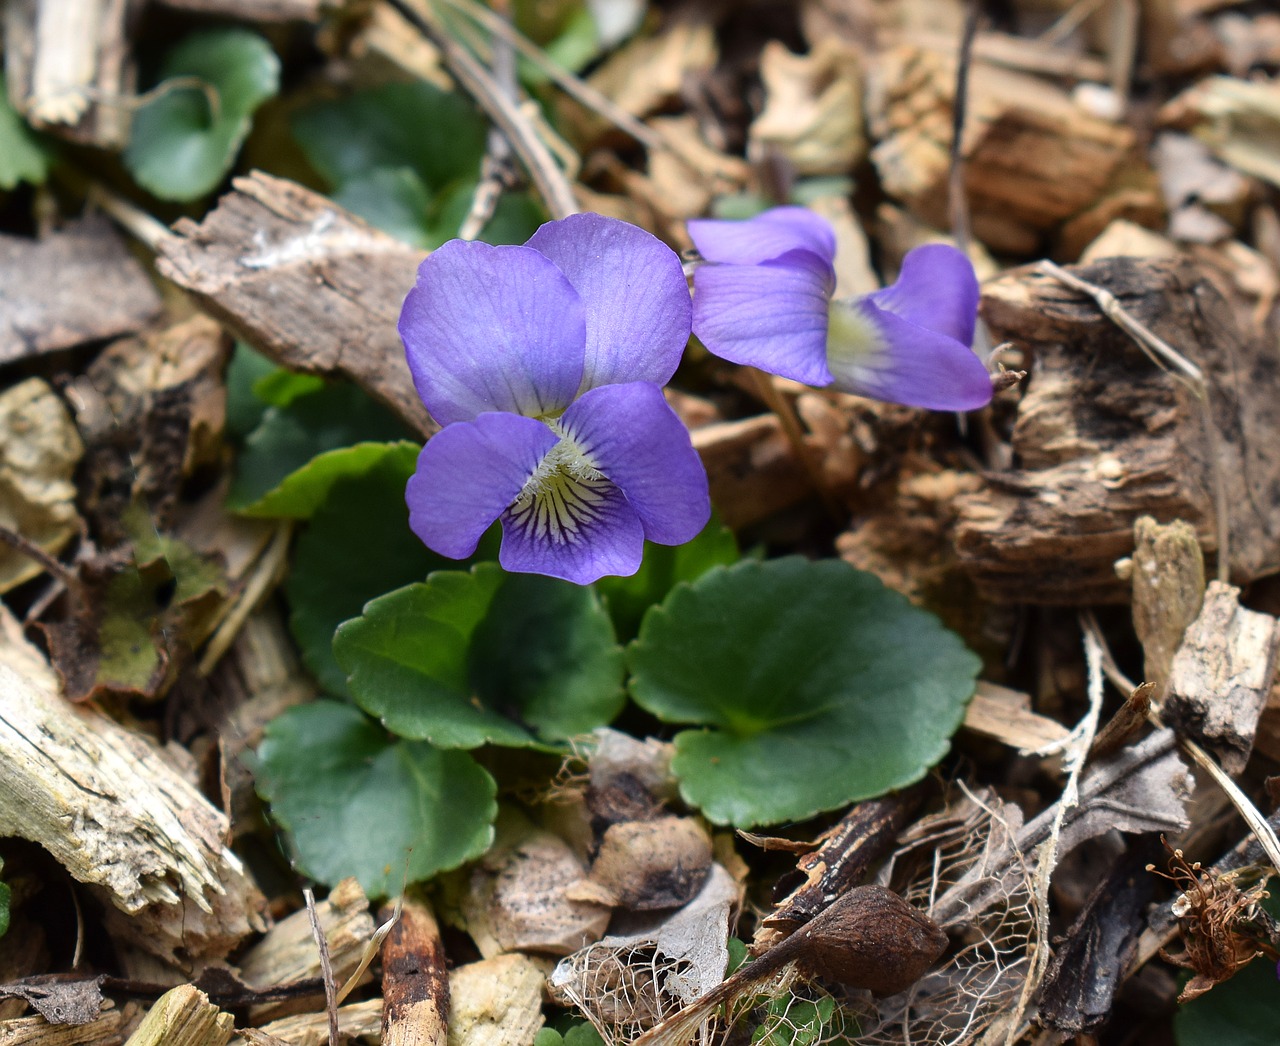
[{"x": 647, "y": 865}]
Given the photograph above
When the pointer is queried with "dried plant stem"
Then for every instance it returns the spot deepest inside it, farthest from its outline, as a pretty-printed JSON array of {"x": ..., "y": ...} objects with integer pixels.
[
  {"x": 148, "y": 231},
  {"x": 547, "y": 177},
  {"x": 1183, "y": 371},
  {"x": 371, "y": 950},
  {"x": 495, "y": 171},
  {"x": 326, "y": 968}
]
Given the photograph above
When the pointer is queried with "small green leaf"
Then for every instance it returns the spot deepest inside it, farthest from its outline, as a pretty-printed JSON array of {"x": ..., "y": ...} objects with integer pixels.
[
  {"x": 515, "y": 218},
  {"x": 22, "y": 157},
  {"x": 244, "y": 406},
  {"x": 184, "y": 140},
  {"x": 436, "y": 134},
  {"x": 662, "y": 567},
  {"x": 287, "y": 438},
  {"x": 466, "y": 659},
  {"x": 356, "y": 802},
  {"x": 301, "y": 492},
  {"x": 392, "y": 199},
  {"x": 358, "y": 545},
  {"x": 816, "y": 684}
]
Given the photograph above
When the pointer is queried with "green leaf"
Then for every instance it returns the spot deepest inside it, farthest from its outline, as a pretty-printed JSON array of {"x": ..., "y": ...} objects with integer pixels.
[
  {"x": 1244, "y": 1011},
  {"x": 466, "y": 659},
  {"x": 185, "y": 140},
  {"x": 288, "y": 437},
  {"x": 515, "y": 218},
  {"x": 393, "y": 199},
  {"x": 22, "y": 157},
  {"x": 358, "y": 545},
  {"x": 818, "y": 687},
  {"x": 244, "y": 406},
  {"x": 436, "y": 134},
  {"x": 356, "y": 802},
  {"x": 662, "y": 567},
  {"x": 301, "y": 492}
]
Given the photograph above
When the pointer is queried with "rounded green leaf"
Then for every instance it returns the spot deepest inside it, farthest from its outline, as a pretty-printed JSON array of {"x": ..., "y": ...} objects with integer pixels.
[
  {"x": 22, "y": 157},
  {"x": 186, "y": 138},
  {"x": 355, "y": 802},
  {"x": 392, "y": 199},
  {"x": 304, "y": 490},
  {"x": 816, "y": 684},
  {"x": 466, "y": 659}
]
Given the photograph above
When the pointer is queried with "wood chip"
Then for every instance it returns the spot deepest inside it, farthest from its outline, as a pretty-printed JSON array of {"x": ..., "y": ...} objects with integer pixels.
[
  {"x": 496, "y": 1002},
  {"x": 1005, "y": 715},
  {"x": 1167, "y": 569},
  {"x": 415, "y": 980},
  {"x": 306, "y": 282},
  {"x": 77, "y": 285},
  {"x": 109, "y": 1028},
  {"x": 183, "y": 1016}
]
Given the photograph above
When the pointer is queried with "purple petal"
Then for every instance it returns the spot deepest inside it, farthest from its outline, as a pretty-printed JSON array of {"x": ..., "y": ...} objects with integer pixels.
[
  {"x": 766, "y": 236},
  {"x": 492, "y": 329},
  {"x": 634, "y": 291},
  {"x": 580, "y": 532},
  {"x": 468, "y": 473},
  {"x": 636, "y": 440},
  {"x": 875, "y": 353},
  {"x": 937, "y": 289},
  {"x": 772, "y": 316}
]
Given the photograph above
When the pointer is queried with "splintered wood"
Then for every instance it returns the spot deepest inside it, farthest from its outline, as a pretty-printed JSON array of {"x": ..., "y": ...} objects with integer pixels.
[{"x": 1103, "y": 436}]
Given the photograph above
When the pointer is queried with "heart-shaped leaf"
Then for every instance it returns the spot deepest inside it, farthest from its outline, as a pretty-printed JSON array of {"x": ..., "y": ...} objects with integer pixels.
[
  {"x": 465, "y": 659},
  {"x": 355, "y": 802},
  {"x": 816, "y": 684},
  {"x": 186, "y": 138}
]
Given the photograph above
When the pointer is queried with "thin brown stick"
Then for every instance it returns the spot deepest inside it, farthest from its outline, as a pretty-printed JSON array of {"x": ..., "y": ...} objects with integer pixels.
[
  {"x": 326, "y": 968},
  {"x": 26, "y": 547},
  {"x": 495, "y": 171}
]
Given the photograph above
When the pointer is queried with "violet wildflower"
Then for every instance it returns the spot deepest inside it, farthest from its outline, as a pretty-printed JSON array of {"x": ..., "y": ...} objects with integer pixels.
[
  {"x": 544, "y": 363},
  {"x": 763, "y": 297}
]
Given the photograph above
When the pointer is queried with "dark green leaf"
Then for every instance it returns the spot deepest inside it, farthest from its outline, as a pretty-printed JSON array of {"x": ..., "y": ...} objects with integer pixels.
[
  {"x": 661, "y": 569},
  {"x": 22, "y": 157},
  {"x": 356, "y": 802},
  {"x": 358, "y": 545},
  {"x": 288, "y": 437},
  {"x": 392, "y": 199},
  {"x": 244, "y": 406},
  {"x": 818, "y": 686},
  {"x": 436, "y": 134},
  {"x": 469, "y": 658},
  {"x": 516, "y": 217},
  {"x": 303, "y": 491},
  {"x": 185, "y": 139}
]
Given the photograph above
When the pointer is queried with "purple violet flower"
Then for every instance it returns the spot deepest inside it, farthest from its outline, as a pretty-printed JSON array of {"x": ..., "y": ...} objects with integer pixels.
[
  {"x": 763, "y": 298},
  {"x": 545, "y": 365}
]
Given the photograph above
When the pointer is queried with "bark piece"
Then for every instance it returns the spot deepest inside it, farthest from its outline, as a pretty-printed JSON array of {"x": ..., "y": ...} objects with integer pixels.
[
  {"x": 77, "y": 285},
  {"x": 183, "y": 1016},
  {"x": 1221, "y": 675},
  {"x": 751, "y": 467},
  {"x": 415, "y": 980},
  {"x": 1238, "y": 119},
  {"x": 309, "y": 284},
  {"x": 1034, "y": 159},
  {"x": 1103, "y": 436},
  {"x": 1005, "y": 715},
  {"x": 111, "y": 808},
  {"x": 1167, "y": 569},
  {"x": 69, "y": 68},
  {"x": 496, "y": 1002},
  {"x": 39, "y": 451},
  {"x": 647, "y": 865},
  {"x": 359, "y": 1022},
  {"x": 109, "y": 1028}
]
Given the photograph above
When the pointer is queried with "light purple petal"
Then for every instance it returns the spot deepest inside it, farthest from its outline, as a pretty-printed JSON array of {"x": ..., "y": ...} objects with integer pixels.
[
  {"x": 634, "y": 291},
  {"x": 766, "y": 236},
  {"x": 772, "y": 316},
  {"x": 492, "y": 329},
  {"x": 636, "y": 440},
  {"x": 937, "y": 289},
  {"x": 468, "y": 473},
  {"x": 875, "y": 353},
  {"x": 603, "y": 537}
]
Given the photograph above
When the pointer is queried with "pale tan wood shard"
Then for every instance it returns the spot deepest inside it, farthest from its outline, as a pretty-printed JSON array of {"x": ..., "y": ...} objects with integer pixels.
[
  {"x": 69, "y": 68},
  {"x": 1221, "y": 675},
  {"x": 183, "y": 1016},
  {"x": 110, "y": 807},
  {"x": 1167, "y": 571},
  {"x": 109, "y": 1028},
  {"x": 1034, "y": 159},
  {"x": 1103, "y": 436},
  {"x": 1005, "y": 715},
  {"x": 496, "y": 1002},
  {"x": 359, "y": 1022},
  {"x": 305, "y": 281}
]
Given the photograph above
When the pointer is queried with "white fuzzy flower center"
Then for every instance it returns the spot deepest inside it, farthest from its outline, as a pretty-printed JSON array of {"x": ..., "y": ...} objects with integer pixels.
[{"x": 564, "y": 494}]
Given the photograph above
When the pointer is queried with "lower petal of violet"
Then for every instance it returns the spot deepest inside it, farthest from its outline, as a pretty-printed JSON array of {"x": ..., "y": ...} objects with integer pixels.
[
  {"x": 573, "y": 527},
  {"x": 771, "y": 316},
  {"x": 468, "y": 473},
  {"x": 875, "y": 353},
  {"x": 636, "y": 440}
]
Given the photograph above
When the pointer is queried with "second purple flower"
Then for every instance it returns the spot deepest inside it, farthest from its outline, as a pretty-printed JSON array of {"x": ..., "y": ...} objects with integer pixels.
[
  {"x": 544, "y": 363},
  {"x": 763, "y": 297}
]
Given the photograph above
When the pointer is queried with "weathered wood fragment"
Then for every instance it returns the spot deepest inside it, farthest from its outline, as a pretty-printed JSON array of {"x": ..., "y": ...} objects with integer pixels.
[
  {"x": 308, "y": 283},
  {"x": 183, "y": 1016},
  {"x": 1103, "y": 436},
  {"x": 496, "y": 1002},
  {"x": 1005, "y": 715},
  {"x": 109, "y": 1028},
  {"x": 77, "y": 285},
  {"x": 1221, "y": 675},
  {"x": 112, "y": 809},
  {"x": 415, "y": 980},
  {"x": 751, "y": 467},
  {"x": 359, "y": 1022},
  {"x": 68, "y": 66},
  {"x": 1167, "y": 570}
]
